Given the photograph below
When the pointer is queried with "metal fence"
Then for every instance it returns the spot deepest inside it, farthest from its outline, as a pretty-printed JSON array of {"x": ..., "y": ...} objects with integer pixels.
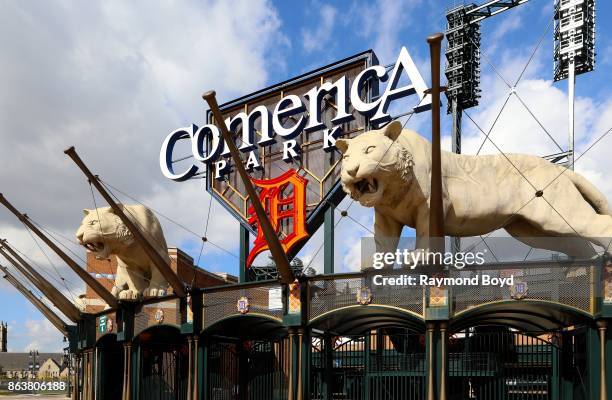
[{"x": 387, "y": 364}]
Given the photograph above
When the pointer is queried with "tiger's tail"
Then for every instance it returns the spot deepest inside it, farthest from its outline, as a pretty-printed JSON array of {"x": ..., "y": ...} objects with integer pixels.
[{"x": 590, "y": 193}]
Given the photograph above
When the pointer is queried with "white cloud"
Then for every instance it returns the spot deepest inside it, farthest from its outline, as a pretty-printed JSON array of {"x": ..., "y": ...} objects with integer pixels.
[
  {"x": 41, "y": 335},
  {"x": 114, "y": 79},
  {"x": 316, "y": 38},
  {"x": 34, "y": 334},
  {"x": 104, "y": 80},
  {"x": 382, "y": 21}
]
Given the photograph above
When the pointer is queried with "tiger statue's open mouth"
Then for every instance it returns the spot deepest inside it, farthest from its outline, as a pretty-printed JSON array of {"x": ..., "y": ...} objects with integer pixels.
[{"x": 95, "y": 247}]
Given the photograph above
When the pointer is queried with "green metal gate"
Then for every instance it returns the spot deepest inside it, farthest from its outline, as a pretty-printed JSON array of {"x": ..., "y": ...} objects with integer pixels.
[
  {"x": 499, "y": 363},
  {"x": 386, "y": 364},
  {"x": 109, "y": 368},
  {"x": 163, "y": 368},
  {"x": 247, "y": 370}
]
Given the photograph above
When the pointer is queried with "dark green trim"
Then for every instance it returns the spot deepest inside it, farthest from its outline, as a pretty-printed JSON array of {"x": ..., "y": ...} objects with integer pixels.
[
  {"x": 202, "y": 367},
  {"x": 367, "y": 368},
  {"x": 244, "y": 252},
  {"x": 593, "y": 362},
  {"x": 136, "y": 372}
]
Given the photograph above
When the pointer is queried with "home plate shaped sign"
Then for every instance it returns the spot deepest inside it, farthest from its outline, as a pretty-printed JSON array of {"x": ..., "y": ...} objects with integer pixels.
[{"x": 291, "y": 128}]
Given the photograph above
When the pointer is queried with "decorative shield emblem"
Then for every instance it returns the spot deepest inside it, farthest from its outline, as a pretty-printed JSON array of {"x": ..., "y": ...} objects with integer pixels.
[
  {"x": 284, "y": 199},
  {"x": 159, "y": 315},
  {"x": 364, "y": 296},
  {"x": 519, "y": 290},
  {"x": 295, "y": 301},
  {"x": 243, "y": 305},
  {"x": 607, "y": 279}
]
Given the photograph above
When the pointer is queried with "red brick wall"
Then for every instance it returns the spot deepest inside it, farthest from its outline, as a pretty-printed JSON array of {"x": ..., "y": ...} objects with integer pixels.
[{"x": 181, "y": 264}]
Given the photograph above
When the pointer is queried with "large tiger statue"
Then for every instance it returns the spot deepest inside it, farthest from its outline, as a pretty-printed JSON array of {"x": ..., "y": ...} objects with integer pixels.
[
  {"x": 539, "y": 203},
  {"x": 103, "y": 233}
]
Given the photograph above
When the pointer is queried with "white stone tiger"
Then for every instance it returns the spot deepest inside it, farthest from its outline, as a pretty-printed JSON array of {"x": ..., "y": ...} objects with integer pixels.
[{"x": 103, "y": 233}]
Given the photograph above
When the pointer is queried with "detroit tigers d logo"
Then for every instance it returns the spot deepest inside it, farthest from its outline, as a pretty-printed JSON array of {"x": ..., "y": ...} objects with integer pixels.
[{"x": 284, "y": 199}]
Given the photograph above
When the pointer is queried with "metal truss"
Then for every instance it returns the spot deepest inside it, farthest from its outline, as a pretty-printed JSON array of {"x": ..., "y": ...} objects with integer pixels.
[{"x": 491, "y": 8}]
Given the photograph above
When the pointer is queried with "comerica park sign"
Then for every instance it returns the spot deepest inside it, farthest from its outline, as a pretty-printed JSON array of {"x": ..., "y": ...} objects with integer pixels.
[
  {"x": 294, "y": 125},
  {"x": 305, "y": 115}
]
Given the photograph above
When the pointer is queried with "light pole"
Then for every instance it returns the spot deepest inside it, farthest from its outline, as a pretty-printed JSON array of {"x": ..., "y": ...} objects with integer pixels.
[{"x": 34, "y": 365}]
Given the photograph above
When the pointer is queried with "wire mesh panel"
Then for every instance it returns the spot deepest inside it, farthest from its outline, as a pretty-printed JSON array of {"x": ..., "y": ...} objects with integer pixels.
[
  {"x": 385, "y": 364},
  {"x": 572, "y": 286},
  {"x": 263, "y": 299},
  {"x": 331, "y": 294},
  {"x": 247, "y": 370},
  {"x": 155, "y": 313},
  {"x": 497, "y": 363}
]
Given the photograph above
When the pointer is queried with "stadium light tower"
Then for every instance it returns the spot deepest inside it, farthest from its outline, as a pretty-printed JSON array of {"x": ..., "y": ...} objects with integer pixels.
[
  {"x": 463, "y": 57},
  {"x": 463, "y": 62},
  {"x": 574, "y": 49}
]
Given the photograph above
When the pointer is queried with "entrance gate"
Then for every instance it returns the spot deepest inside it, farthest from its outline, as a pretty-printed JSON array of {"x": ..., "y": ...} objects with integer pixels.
[
  {"x": 164, "y": 364},
  {"x": 109, "y": 368},
  {"x": 247, "y": 370},
  {"x": 499, "y": 363},
  {"x": 386, "y": 364}
]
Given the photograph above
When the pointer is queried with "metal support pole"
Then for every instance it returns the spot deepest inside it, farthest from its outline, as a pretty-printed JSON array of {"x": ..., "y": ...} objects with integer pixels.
[
  {"x": 196, "y": 368},
  {"x": 84, "y": 275},
  {"x": 56, "y": 297},
  {"x": 76, "y": 371},
  {"x": 244, "y": 252},
  {"x": 443, "y": 359},
  {"x": 190, "y": 373},
  {"x": 603, "y": 391},
  {"x": 276, "y": 249},
  {"x": 291, "y": 384},
  {"x": 457, "y": 114},
  {"x": 127, "y": 373},
  {"x": 571, "y": 83},
  {"x": 328, "y": 250},
  {"x": 429, "y": 337},
  {"x": 300, "y": 354},
  {"x": 436, "y": 212},
  {"x": 160, "y": 263},
  {"x": 328, "y": 367}
]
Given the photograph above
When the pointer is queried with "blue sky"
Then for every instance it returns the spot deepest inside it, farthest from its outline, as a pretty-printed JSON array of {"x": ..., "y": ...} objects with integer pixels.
[{"x": 116, "y": 78}]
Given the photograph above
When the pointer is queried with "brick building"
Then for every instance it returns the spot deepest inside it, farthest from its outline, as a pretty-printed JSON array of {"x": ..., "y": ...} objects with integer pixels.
[{"x": 181, "y": 263}]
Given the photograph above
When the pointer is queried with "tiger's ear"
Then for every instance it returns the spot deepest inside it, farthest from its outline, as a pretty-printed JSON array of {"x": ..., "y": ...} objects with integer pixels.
[
  {"x": 342, "y": 145},
  {"x": 393, "y": 130},
  {"x": 86, "y": 212}
]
